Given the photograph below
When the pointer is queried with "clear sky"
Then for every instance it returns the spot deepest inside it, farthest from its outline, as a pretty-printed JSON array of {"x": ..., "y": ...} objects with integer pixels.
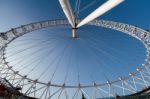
[
  {"x": 16, "y": 12},
  {"x": 117, "y": 54}
]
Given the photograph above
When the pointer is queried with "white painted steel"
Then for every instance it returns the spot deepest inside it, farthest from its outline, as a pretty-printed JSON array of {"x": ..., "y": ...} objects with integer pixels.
[
  {"x": 100, "y": 11},
  {"x": 68, "y": 11},
  {"x": 31, "y": 87}
]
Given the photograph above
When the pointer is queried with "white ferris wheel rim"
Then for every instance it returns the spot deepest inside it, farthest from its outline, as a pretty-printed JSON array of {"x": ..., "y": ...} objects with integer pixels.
[{"x": 14, "y": 33}]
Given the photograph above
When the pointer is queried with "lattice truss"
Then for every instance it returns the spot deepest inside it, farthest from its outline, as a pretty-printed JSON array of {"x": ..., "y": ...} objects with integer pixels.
[{"x": 132, "y": 83}]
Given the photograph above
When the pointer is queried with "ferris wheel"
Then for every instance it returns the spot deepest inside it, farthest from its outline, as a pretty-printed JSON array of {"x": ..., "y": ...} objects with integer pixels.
[{"x": 63, "y": 59}]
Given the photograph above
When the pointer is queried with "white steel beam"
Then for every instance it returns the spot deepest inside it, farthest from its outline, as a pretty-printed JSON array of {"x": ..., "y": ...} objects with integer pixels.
[
  {"x": 68, "y": 11},
  {"x": 100, "y": 11}
]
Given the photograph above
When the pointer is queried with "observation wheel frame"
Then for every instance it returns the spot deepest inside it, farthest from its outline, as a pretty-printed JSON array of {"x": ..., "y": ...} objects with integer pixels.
[{"x": 130, "y": 84}]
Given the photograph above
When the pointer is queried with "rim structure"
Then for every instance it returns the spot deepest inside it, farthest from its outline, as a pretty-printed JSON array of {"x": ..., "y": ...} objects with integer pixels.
[{"x": 132, "y": 83}]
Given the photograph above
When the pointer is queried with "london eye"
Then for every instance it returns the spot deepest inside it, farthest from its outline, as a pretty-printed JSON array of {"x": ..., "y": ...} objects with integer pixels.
[{"x": 74, "y": 58}]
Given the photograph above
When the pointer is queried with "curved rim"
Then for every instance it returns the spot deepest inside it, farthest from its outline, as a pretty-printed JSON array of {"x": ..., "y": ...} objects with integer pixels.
[{"x": 138, "y": 33}]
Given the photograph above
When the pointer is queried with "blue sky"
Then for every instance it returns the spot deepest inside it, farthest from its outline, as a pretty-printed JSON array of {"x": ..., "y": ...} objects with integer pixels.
[
  {"x": 125, "y": 53},
  {"x": 16, "y": 12}
]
